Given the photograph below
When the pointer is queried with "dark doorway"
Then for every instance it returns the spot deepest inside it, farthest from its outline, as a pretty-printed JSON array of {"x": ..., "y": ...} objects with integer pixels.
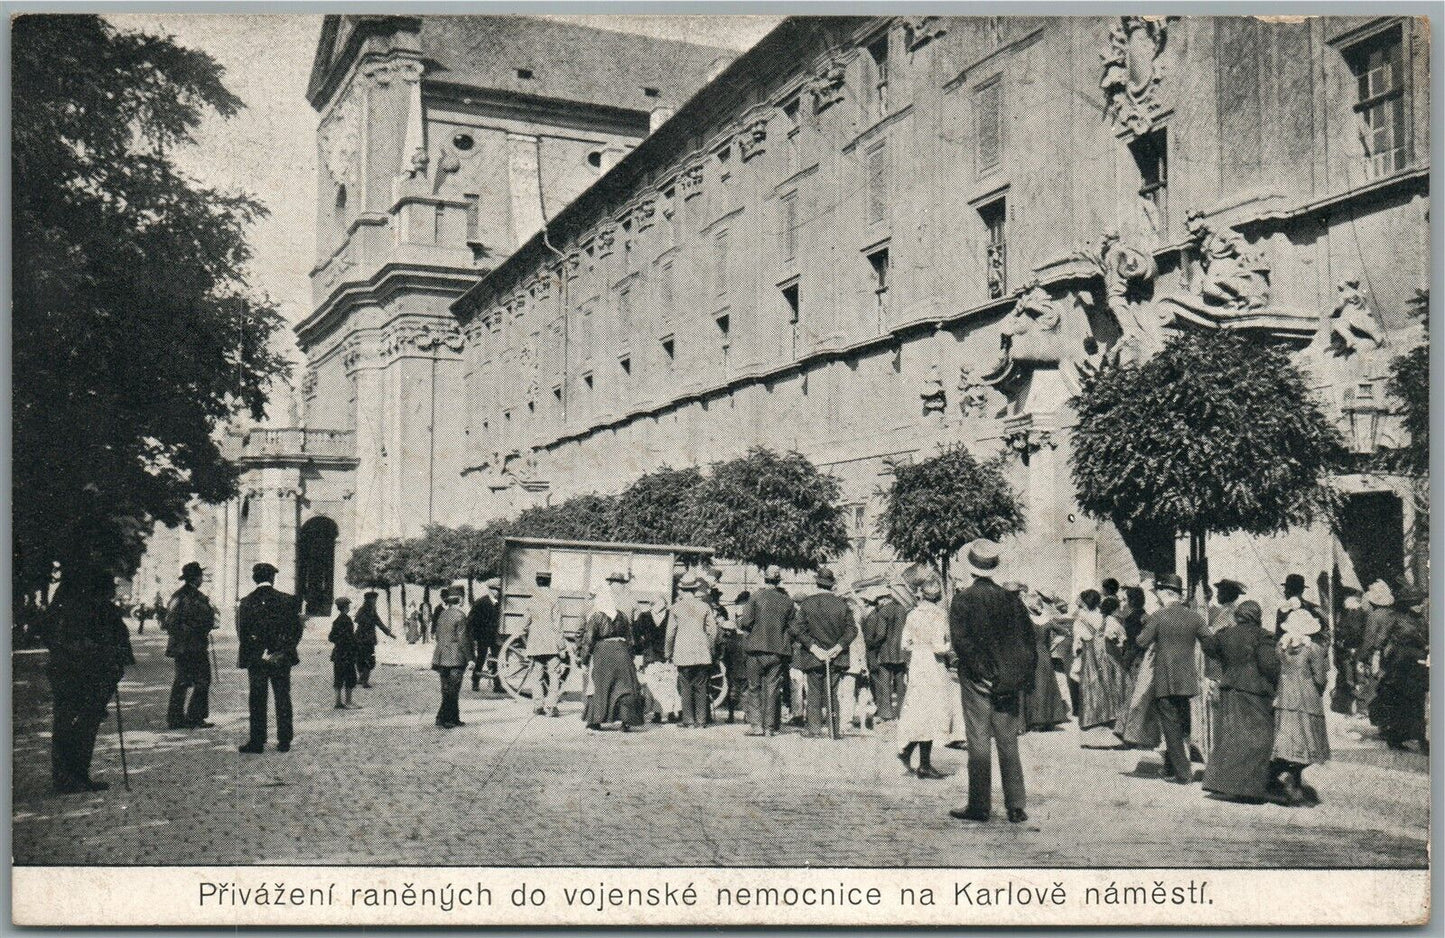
[
  {"x": 316, "y": 565},
  {"x": 1372, "y": 532}
]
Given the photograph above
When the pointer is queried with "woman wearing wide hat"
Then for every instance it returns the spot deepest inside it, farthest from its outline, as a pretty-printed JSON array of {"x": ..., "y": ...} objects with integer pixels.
[
  {"x": 927, "y": 712},
  {"x": 606, "y": 647},
  {"x": 1300, "y": 739},
  {"x": 1239, "y": 763}
]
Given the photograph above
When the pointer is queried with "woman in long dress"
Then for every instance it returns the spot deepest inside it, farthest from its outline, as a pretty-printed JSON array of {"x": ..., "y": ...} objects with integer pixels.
[
  {"x": 1138, "y": 725},
  {"x": 1044, "y": 707},
  {"x": 926, "y": 714},
  {"x": 1239, "y": 762},
  {"x": 1096, "y": 668},
  {"x": 1300, "y": 739},
  {"x": 606, "y": 647}
]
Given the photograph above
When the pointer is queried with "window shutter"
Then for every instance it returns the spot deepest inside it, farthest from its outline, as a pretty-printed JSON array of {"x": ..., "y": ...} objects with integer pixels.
[
  {"x": 878, "y": 180},
  {"x": 990, "y": 136}
]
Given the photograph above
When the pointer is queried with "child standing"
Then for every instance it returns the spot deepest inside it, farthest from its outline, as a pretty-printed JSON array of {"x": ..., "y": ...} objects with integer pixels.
[{"x": 343, "y": 654}]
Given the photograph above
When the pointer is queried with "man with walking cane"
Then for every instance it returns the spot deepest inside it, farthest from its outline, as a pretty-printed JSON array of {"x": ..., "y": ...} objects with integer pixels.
[
  {"x": 823, "y": 628},
  {"x": 89, "y": 650},
  {"x": 188, "y": 622}
]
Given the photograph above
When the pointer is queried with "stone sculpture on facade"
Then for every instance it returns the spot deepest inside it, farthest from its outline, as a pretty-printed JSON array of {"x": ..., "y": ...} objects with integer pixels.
[
  {"x": 1352, "y": 321},
  {"x": 752, "y": 139},
  {"x": 935, "y": 398},
  {"x": 1133, "y": 71},
  {"x": 1042, "y": 331},
  {"x": 973, "y": 394},
  {"x": 826, "y": 87},
  {"x": 919, "y": 31}
]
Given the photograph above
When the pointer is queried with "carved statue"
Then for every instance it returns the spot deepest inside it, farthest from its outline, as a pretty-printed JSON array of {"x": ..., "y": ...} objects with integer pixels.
[
  {"x": 1234, "y": 276},
  {"x": 752, "y": 138},
  {"x": 1352, "y": 321},
  {"x": 826, "y": 87},
  {"x": 972, "y": 393},
  {"x": 1132, "y": 70},
  {"x": 996, "y": 273},
  {"x": 1041, "y": 330},
  {"x": 919, "y": 31},
  {"x": 1128, "y": 273},
  {"x": 935, "y": 399}
]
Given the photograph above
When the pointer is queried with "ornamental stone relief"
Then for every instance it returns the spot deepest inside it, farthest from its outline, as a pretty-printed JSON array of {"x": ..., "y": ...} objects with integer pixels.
[
  {"x": 384, "y": 72},
  {"x": 752, "y": 139},
  {"x": 1133, "y": 71},
  {"x": 919, "y": 31},
  {"x": 826, "y": 88},
  {"x": 340, "y": 139},
  {"x": 1352, "y": 326}
]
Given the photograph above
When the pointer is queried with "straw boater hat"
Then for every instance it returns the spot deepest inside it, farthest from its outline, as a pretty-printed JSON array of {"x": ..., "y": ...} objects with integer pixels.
[
  {"x": 1379, "y": 595},
  {"x": 495, "y": 583},
  {"x": 931, "y": 589},
  {"x": 982, "y": 558},
  {"x": 1300, "y": 622},
  {"x": 1169, "y": 581},
  {"x": 690, "y": 582},
  {"x": 774, "y": 574}
]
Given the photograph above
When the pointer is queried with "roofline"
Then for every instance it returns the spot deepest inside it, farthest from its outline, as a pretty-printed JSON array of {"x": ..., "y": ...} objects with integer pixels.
[
  {"x": 324, "y": 81},
  {"x": 763, "y": 58}
]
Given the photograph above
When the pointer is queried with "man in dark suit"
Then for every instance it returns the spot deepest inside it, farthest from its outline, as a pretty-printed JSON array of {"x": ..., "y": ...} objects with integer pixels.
[
  {"x": 997, "y": 654},
  {"x": 188, "y": 621},
  {"x": 1175, "y": 630},
  {"x": 268, "y": 624},
  {"x": 766, "y": 620},
  {"x": 823, "y": 629},
  {"x": 887, "y": 661},
  {"x": 483, "y": 621},
  {"x": 1294, "y": 598}
]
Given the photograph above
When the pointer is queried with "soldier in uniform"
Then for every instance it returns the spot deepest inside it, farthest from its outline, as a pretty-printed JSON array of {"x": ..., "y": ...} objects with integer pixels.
[
  {"x": 823, "y": 629},
  {"x": 188, "y": 621},
  {"x": 268, "y": 624},
  {"x": 89, "y": 649}
]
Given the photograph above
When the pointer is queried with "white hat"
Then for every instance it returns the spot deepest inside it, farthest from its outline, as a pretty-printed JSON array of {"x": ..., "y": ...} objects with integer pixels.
[
  {"x": 1379, "y": 595},
  {"x": 1300, "y": 622}
]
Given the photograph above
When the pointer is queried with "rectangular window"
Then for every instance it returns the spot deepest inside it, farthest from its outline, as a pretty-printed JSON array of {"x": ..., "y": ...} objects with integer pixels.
[
  {"x": 995, "y": 219},
  {"x": 673, "y": 210},
  {"x": 988, "y": 111},
  {"x": 790, "y": 297},
  {"x": 878, "y": 52},
  {"x": 625, "y": 363},
  {"x": 1151, "y": 156},
  {"x": 669, "y": 350},
  {"x": 474, "y": 215},
  {"x": 788, "y": 222},
  {"x": 720, "y": 263},
  {"x": 878, "y": 262},
  {"x": 724, "y": 323},
  {"x": 666, "y": 289},
  {"x": 792, "y": 113},
  {"x": 879, "y": 179},
  {"x": 1378, "y": 67}
]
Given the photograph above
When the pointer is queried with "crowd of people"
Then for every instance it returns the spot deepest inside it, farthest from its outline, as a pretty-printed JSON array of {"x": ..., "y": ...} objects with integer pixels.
[{"x": 1212, "y": 684}]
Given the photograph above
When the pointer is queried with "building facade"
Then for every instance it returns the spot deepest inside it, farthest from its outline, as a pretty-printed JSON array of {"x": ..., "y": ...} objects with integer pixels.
[
  {"x": 863, "y": 239},
  {"x": 825, "y": 249}
]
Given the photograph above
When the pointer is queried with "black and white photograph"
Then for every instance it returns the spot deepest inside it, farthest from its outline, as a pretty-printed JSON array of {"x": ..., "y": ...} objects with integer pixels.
[{"x": 781, "y": 460}]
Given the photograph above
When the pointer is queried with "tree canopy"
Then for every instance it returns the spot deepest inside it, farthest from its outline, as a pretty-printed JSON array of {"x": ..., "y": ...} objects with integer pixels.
[
  {"x": 771, "y": 508},
  {"x": 1215, "y": 433},
  {"x": 660, "y": 507},
  {"x": 134, "y": 331},
  {"x": 938, "y": 505}
]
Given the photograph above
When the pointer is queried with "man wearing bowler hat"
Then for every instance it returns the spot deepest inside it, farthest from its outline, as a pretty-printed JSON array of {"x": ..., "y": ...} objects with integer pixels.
[
  {"x": 1175, "y": 631},
  {"x": 268, "y": 624},
  {"x": 766, "y": 620},
  {"x": 1294, "y": 598},
  {"x": 823, "y": 629},
  {"x": 997, "y": 656},
  {"x": 188, "y": 621}
]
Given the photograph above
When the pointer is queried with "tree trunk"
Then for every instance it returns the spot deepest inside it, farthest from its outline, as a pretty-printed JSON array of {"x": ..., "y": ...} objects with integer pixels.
[
  {"x": 403, "y": 599},
  {"x": 471, "y": 597},
  {"x": 388, "y": 605},
  {"x": 947, "y": 583},
  {"x": 1197, "y": 569}
]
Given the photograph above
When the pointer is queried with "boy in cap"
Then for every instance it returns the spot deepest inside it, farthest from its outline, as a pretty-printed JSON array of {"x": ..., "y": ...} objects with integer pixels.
[{"x": 343, "y": 654}]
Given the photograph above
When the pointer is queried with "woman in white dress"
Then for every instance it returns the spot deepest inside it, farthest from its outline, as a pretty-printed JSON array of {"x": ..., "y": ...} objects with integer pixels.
[{"x": 926, "y": 713}]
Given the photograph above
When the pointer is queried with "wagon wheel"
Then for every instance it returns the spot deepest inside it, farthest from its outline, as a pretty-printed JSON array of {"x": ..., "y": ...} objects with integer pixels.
[
  {"x": 520, "y": 676},
  {"x": 717, "y": 684}
]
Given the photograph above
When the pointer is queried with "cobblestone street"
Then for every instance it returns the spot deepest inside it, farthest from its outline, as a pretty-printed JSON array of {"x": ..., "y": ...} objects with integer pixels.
[{"x": 382, "y": 785}]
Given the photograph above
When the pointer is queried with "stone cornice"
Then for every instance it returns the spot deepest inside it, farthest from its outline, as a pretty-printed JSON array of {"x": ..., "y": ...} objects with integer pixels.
[{"x": 389, "y": 280}]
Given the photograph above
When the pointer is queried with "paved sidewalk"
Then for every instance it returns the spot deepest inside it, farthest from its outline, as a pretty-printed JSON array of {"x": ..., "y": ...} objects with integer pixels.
[{"x": 382, "y": 785}]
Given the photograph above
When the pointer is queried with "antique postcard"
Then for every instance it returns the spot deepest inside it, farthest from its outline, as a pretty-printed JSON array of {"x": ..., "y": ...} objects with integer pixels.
[{"x": 586, "y": 469}]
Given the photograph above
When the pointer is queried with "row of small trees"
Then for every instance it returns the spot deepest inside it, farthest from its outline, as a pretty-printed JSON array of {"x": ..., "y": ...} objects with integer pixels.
[
  {"x": 1215, "y": 434},
  {"x": 762, "y": 508}
]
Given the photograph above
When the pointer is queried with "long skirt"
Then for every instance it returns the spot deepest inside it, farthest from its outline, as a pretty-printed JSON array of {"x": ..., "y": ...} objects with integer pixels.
[
  {"x": 1044, "y": 707},
  {"x": 927, "y": 713},
  {"x": 1101, "y": 686},
  {"x": 1300, "y": 737},
  {"x": 1203, "y": 709},
  {"x": 1138, "y": 725},
  {"x": 616, "y": 694},
  {"x": 1238, "y": 765}
]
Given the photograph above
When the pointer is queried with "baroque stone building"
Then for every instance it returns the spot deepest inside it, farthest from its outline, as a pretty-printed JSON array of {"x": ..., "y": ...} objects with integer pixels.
[{"x": 864, "y": 238}]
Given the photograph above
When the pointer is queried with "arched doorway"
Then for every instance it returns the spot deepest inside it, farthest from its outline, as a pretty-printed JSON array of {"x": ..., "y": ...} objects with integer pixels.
[{"x": 316, "y": 564}]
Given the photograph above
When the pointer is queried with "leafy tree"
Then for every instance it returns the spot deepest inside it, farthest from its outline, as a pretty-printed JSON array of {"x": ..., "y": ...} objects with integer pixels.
[
  {"x": 588, "y": 517},
  {"x": 365, "y": 570},
  {"x": 658, "y": 508},
  {"x": 1215, "y": 433},
  {"x": 483, "y": 549},
  {"x": 936, "y": 506},
  {"x": 133, "y": 332},
  {"x": 391, "y": 562},
  {"x": 769, "y": 508}
]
